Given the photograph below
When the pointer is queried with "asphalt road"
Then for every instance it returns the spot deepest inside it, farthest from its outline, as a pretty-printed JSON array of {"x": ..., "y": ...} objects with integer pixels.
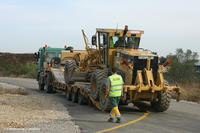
[{"x": 181, "y": 117}]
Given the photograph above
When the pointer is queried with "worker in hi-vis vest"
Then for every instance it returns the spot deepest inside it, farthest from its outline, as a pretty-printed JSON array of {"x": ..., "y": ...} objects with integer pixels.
[{"x": 114, "y": 92}]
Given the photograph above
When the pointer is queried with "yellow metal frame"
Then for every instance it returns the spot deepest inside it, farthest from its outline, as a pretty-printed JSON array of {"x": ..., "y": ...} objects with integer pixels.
[{"x": 151, "y": 86}]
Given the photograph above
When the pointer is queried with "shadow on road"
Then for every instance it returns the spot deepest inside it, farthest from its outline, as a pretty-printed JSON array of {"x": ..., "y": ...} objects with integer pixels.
[{"x": 92, "y": 121}]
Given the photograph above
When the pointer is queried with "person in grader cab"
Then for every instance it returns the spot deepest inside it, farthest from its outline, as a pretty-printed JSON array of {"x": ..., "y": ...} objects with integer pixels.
[
  {"x": 120, "y": 42},
  {"x": 114, "y": 92}
]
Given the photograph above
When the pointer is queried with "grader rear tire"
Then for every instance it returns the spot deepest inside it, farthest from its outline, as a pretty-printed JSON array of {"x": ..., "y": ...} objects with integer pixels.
[
  {"x": 70, "y": 65},
  {"x": 95, "y": 80},
  {"x": 163, "y": 101}
]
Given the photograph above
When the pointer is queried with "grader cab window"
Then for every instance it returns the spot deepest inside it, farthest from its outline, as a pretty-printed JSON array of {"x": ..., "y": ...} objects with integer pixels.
[
  {"x": 103, "y": 40},
  {"x": 128, "y": 42},
  {"x": 103, "y": 45}
]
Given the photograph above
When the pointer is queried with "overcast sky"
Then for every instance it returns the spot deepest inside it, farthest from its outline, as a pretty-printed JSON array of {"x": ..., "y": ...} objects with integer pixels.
[{"x": 27, "y": 25}]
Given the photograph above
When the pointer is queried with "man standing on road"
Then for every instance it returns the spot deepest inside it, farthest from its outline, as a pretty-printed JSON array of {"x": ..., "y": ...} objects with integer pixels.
[{"x": 114, "y": 92}]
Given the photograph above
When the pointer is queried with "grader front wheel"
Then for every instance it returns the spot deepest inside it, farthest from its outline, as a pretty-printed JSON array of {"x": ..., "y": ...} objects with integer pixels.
[{"x": 163, "y": 102}]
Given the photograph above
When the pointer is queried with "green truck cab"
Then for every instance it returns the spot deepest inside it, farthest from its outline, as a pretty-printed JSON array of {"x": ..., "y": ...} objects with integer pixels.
[{"x": 44, "y": 56}]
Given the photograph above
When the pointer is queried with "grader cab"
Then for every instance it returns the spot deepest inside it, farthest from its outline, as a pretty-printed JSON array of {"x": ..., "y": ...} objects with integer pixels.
[{"x": 139, "y": 68}]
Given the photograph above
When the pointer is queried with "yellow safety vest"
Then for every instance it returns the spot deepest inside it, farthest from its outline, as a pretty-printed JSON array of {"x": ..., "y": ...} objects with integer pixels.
[{"x": 116, "y": 83}]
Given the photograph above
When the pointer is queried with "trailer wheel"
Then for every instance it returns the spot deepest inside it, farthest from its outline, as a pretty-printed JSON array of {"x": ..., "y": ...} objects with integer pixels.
[
  {"x": 95, "y": 80},
  {"x": 66, "y": 92},
  {"x": 81, "y": 99},
  {"x": 70, "y": 65},
  {"x": 68, "y": 96},
  {"x": 103, "y": 101},
  {"x": 40, "y": 83},
  {"x": 48, "y": 86},
  {"x": 74, "y": 96}
]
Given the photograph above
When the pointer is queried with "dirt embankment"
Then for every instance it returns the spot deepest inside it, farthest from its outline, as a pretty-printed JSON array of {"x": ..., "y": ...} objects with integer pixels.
[{"x": 17, "y": 65}]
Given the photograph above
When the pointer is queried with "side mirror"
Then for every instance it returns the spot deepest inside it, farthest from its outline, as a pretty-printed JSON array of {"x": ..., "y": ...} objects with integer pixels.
[
  {"x": 94, "y": 40},
  {"x": 35, "y": 55}
]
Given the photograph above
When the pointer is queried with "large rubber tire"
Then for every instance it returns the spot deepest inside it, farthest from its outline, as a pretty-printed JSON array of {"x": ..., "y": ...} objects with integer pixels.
[
  {"x": 66, "y": 92},
  {"x": 163, "y": 102},
  {"x": 103, "y": 101},
  {"x": 48, "y": 83},
  {"x": 55, "y": 61},
  {"x": 40, "y": 83},
  {"x": 38, "y": 76},
  {"x": 74, "y": 96},
  {"x": 68, "y": 96},
  {"x": 95, "y": 80},
  {"x": 70, "y": 65}
]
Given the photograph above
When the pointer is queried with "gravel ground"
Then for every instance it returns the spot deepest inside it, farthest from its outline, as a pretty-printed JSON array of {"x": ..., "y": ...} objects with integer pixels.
[{"x": 32, "y": 112}]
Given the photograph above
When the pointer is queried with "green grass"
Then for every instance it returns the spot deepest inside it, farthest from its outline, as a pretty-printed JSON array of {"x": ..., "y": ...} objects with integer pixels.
[{"x": 28, "y": 70}]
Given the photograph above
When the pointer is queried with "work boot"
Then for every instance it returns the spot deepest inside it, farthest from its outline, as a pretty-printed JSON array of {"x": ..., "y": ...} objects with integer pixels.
[
  {"x": 118, "y": 120},
  {"x": 110, "y": 120}
]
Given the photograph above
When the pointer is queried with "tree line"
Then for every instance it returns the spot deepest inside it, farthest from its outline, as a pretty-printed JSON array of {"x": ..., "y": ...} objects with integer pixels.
[{"x": 182, "y": 66}]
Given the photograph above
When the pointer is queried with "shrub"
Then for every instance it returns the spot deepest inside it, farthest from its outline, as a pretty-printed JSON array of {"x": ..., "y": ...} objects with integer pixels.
[{"x": 29, "y": 70}]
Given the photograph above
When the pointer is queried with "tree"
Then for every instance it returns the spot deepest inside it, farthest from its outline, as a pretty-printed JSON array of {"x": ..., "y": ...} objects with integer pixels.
[
  {"x": 182, "y": 66},
  {"x": 162, "y": 59}
]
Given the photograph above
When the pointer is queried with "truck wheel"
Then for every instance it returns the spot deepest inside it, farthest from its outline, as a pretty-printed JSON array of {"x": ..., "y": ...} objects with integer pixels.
[
  {"x": 74, "y": 96},
  {"x": 95, "y": 80},
  {"x": 70, "y": 65},
  {"x": 103, "y": 101},
  {"x": 38, "y": 76},
  {"x": 163, "y": 101},
  {"x": 40, "y": 83},
  {"x": 48, "y": 86}
]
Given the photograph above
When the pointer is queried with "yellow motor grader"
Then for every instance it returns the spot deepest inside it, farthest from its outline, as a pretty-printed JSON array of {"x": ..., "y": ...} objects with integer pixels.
[{"x": 119, "y": 48}]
